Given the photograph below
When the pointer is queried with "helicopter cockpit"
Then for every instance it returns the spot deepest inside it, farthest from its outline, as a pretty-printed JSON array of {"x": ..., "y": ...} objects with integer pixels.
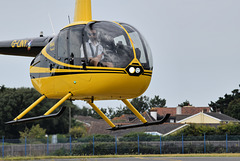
[{"x": 100, "y": 43}]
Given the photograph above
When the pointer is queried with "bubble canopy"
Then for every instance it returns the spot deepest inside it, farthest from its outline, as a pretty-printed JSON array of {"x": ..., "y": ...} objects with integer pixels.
[{"x": 101, "y": 44}]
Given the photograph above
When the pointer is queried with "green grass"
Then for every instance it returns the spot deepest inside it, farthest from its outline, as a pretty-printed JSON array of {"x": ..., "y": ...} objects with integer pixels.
[{"x": 84, "y": 158}]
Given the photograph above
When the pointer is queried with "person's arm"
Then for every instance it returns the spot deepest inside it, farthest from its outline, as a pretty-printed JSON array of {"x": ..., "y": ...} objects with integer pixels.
[{"x": 94, "y": 61}]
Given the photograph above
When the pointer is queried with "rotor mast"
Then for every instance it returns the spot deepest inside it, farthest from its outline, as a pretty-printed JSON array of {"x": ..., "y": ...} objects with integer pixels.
[{"x": 83, "y": 11}]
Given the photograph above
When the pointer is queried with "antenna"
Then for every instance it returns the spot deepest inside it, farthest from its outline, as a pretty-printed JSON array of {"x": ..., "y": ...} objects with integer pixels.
[
  {"x": 69, "y": 19},
  {"x": 51, "y": 23}
]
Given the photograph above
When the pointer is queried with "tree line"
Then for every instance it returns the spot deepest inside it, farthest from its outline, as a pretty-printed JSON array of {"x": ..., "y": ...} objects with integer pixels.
[{"x": 14, "y": 100}]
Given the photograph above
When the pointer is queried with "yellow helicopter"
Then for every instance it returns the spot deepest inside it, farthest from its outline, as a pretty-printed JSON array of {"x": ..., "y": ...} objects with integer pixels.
[{"x": 88, "y": 60}]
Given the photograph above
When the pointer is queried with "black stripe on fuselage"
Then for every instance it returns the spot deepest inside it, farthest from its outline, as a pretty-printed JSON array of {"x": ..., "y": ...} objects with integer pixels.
[
  {"x": 41, "y": 75},
  {"x": 81, "y": 70}
]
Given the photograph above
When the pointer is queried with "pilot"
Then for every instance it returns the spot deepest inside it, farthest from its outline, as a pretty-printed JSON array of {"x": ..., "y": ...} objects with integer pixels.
[{"x": 95, "y": 51}]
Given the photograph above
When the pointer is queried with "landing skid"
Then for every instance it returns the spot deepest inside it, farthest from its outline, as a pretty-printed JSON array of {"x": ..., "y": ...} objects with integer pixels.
[
  {"x": 59, "y": 113},
  {"x": 120, "y": 127}
]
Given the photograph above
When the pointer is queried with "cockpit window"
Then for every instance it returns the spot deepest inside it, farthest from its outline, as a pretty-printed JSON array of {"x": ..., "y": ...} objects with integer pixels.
[
  {"x": 63, "y": 54},
  {"x": 75, "y": 44},
  {"x": 107, "y": 44},
  {"x": 142, "y": 50},
  {"x": 104, "y": 44},
  {"x": 51, "y": 47}
]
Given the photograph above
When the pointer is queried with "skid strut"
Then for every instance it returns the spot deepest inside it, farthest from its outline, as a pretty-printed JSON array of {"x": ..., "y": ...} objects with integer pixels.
[
  {"x": 45, "y": 116},
  {"x": 101, "y": 114},
  {"x": 130, "y": 106},
  {"x": 30, "y": 107},
  {"x": 140, "y": 117}
]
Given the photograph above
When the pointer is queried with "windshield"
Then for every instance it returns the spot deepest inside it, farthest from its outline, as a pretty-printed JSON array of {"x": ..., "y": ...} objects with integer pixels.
[
  {"x": 103, "y": 44},
  {"x": 107, "y": 44},
  {"x": 143, "y": 52}
]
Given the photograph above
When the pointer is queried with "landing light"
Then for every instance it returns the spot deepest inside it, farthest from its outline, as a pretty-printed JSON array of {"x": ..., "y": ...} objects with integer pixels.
[
  {"x": 131, "y": 70},
  {"x": 134, "y": 70},
  {"x": 138, "y": 70}
]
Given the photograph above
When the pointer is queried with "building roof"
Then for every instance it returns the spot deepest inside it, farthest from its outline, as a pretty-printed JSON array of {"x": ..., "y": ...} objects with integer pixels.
[
  {"x": 101, "y": 127},
  {"x": 191, "y": 110},
  {"x": 222, "y": 116},
  {"x": 181, "y": 117},
  {"x": 85, "y": 119},
  {"x": 124, "y": 118},
  {"x": 164, "y": 110},
  {"x": 215, "y": 115},
  {"x": 185, "y": 110},
  {"x": 146, "y": 115}
]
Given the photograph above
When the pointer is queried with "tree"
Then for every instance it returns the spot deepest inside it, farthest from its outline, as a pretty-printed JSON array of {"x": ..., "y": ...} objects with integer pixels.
[
  {"x": 200, "y": 130},
  {"x": 13, "y": 101},
  {"x": 230, "y": 128},
  {"x": 229, "y": 104},
  {"x": 233, "y": 109},
  {"x": 157, "y": 102},
  {"x": 36, "y": 132},
  {"x": 2, "y": 88},
  {"x": 142, "y": 104},
  {"x": 120, "y": 111},
  {"x": 223, "y": 102},
  {"x": 78, "y": 131},
  {"x": 185, "y": 103}
]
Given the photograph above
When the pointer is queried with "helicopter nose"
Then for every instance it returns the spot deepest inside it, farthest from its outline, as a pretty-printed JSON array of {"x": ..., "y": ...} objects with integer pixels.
[{"x": 134, "y": 70}]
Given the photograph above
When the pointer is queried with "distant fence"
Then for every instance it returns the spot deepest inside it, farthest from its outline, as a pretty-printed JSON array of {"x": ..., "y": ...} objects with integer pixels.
[{"x": 136, "y": 145}]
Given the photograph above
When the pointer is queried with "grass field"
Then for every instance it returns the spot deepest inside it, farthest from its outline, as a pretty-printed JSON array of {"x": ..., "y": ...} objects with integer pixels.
[{"x": 120, "y": 156}]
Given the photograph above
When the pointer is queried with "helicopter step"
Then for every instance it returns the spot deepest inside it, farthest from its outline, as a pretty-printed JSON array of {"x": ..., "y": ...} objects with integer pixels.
[
  {"x": 48, "y": 114},
  {"x": 121, "y": 127},
  {"x": 59, "y": 113}
]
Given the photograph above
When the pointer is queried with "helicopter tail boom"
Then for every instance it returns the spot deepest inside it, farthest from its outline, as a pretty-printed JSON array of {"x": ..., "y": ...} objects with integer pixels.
[{"x": 29, "y": 47}]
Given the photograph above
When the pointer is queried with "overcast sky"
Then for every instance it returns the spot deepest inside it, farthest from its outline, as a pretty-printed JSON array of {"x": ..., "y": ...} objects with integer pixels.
[{"x": 195, "y": 43}]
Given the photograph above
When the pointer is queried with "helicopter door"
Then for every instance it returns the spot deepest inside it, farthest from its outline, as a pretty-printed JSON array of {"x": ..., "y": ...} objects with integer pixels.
[
  {"x": 75, "y": 45},
  {"x": 63, "y": 54}
]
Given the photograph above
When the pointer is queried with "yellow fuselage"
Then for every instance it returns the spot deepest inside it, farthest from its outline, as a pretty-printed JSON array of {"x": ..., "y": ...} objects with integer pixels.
[
  {"x": 53, "y": 77},
  {"x": 92, "y": 83}
]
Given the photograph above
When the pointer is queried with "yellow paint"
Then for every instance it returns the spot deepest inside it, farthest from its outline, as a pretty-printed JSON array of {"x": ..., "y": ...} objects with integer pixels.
[
  {"x": 30, "y": 108},
  {"x": 130, "y": 106},
  {"x": 79, "y": 23},
  {"x": 52, "y": 46},
  {"x": 99, "y": 82},
  {"x": 101, "y": 114},
  {"x": 58, "y": 104},
  {"x": 56, "y": 61},
  {"x": 83, "y": 10},
  {"x": 102, "y": 86},
  {"x": 19, "y": 43}
]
